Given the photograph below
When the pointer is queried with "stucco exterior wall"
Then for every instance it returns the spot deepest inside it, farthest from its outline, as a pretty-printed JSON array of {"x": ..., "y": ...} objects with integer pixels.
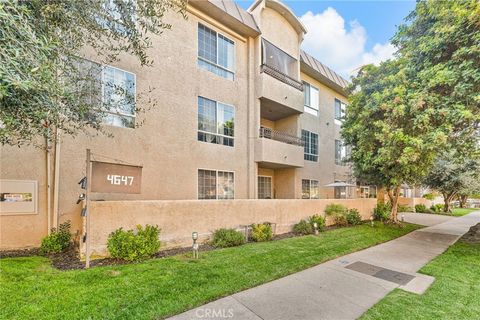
[
  {"x": 412, "y": 202},
  {"x": 165, "y": 144},
  {"x": 24, "y": 230},
  {"x": 325, "y": 170},
  {"x": 178, "y": 219}
]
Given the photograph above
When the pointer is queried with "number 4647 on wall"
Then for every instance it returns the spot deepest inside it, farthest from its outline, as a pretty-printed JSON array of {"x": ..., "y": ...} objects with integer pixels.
[{"x": 120, "y": 180}]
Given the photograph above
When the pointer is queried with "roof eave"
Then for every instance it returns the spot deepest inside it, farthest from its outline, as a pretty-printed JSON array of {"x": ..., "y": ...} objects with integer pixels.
[
  {"x": 226, "y": 19},
  {"x": 305, "y": 68}
]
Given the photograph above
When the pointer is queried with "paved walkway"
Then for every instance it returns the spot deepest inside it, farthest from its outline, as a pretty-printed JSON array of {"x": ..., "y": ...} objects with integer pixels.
[{"x": 346, "y": 287}]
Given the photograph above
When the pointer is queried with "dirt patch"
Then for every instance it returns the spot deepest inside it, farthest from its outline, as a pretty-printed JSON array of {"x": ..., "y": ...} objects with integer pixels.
[
  {"x": 20, "y": 253},
  {"x": 473, "y": 235}
]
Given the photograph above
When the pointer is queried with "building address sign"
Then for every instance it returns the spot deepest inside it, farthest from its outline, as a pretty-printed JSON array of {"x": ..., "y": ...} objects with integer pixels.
[{"x": 115, "y": 178}]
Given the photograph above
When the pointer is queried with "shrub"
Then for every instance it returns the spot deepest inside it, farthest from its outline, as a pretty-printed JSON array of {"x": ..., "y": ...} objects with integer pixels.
[
  {"x": 382, "y": 211},
  {"x": 429, "y": 196},
  {"x": 303, "y": 227},
  {"x": 335, "y": 209},
  {"x": 402, "y": 208},
  {"x": 133, "y": 245},
  {"x": 421, "y": 208},
  {"x": 340, "y": 220},
  {"x": 353, "y": 217},
  {"x": 58, "y": 240},
  {"x": 223, "y": 238},
  {"x": 338, "y": 212},
  {"x": 437, "y": 208},
  {"x": 320, "y": 220},
  {"x": 262, "y": 232}
]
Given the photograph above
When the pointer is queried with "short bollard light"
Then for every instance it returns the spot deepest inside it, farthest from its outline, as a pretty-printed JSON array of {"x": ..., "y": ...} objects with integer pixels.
[
  {"x": 403, "y": 218},
  {"x": 315, "y": 227},
  {"x": 371, "y": 221},
  {"x": 195, "y": 244}
]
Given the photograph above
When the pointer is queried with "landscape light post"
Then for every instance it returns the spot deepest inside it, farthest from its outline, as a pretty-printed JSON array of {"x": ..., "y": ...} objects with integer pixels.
[{"x": 195, "y": 244}]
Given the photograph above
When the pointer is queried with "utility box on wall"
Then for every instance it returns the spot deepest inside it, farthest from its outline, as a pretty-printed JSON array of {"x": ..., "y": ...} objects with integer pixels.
[{"x": 18, "y": 197}]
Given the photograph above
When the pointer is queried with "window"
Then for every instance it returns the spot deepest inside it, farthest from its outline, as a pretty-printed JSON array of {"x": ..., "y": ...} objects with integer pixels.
[
  {"x": 214, "y": 184},
  {"x": 119, "y": 95},
  {"x": 309, "y": 189},
  {"x": 216, "y": 53},
  {"x": 340, "y": 152},
  {"x": 310, "y": 148},
  {"x": 310, "y": 98},
  {"x": 215, "y": 122},
  {"x": 339, "y": 111},
  {"x": 264, "y": 187},
  {"x": 340, "y": 192}
]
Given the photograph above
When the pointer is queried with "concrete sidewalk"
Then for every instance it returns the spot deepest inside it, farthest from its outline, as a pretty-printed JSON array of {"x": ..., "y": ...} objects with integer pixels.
[{"x": 346, "y": 287}]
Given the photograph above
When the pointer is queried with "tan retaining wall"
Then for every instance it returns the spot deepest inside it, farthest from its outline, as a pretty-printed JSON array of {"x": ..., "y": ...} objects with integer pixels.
[
  {"x": 178, "y": 219},
  {"x": 411, "y": 202}
]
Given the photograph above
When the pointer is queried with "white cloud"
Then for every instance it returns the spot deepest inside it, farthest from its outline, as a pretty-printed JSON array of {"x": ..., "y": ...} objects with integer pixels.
[{"x": 339, "y": 47}]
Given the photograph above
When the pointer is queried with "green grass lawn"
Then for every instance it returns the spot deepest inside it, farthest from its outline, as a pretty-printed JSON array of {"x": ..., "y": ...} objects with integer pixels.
[
  {"x": 31, "y": 289},
  {"x": 458, "y": 212},
  {"x": 455, "y": 294}
]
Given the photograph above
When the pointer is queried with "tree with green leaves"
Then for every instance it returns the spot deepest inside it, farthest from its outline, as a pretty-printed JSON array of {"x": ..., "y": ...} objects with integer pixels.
[
  {"x": 389, "y": 144},
  {"x": 45, "y": 82},
  {"x": 453, "y": 176},
  {"x": 441, "y": 45},
  {"x": 405, "y": 112}
]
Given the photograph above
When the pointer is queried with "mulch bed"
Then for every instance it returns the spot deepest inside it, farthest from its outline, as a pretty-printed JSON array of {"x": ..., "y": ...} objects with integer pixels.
[
  {"x": 473, "y": 234},
  {"x": 69, "y": 260}
]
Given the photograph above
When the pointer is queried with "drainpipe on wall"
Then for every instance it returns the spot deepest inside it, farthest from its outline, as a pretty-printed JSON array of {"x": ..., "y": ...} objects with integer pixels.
[
  {"x": 49, "y": 183},
  {"x": 56, "y": 179}
]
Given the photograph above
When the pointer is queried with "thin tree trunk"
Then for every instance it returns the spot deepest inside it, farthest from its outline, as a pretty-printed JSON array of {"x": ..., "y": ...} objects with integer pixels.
[
  {"x": 447, "y": 199},
  {"x": 393, "y": 214},
  {"x": 463, "y": 200},
  {"x": 390, "y": 195}
]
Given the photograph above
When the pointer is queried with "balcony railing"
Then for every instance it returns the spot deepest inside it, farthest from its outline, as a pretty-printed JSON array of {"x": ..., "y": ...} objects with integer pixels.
[
  {"x": 280, "y": 136},
  {"x": 271, "y": 71}
]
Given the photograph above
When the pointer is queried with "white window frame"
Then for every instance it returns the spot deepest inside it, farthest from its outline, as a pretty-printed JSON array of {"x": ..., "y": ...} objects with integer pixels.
[
  {"x": 216, "y": 63},
  {"x": 343, "y": 107},
  {"x": 310, "y": 189},
  {"x": 121, "y": 114},
  {"x": 216, "y": 187},
  {"x": 271, "y": 186},
  {"x": 308, "y": 108},
  {"x": 310, "y": 139},
  {"x": 216, "y": 115}
]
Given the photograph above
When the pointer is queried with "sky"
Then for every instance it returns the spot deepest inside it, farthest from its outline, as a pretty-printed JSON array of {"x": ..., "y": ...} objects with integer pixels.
[{"x": 345, "y": 35}]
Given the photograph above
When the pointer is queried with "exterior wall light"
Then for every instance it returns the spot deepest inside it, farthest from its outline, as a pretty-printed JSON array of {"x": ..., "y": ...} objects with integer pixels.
[
  {"x": 195, "y": 244},
  {"x": 315, "y": 227},
  {"x": 83, "y": 183},
  {"x": 81, "y": 197}
]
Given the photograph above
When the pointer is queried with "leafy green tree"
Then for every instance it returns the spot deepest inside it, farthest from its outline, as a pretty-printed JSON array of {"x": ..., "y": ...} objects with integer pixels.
[
  {"x": 390, "y": 146},
  {"x": 441, "y": 44},
  {"x": 405, "y": 112},
  {"x": 454, "y": 176},
  {"x": 45, "y": 82}
]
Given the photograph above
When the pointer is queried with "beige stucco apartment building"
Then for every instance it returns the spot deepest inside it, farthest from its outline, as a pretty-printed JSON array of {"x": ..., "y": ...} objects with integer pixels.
[{"x": 242, "y": 113}]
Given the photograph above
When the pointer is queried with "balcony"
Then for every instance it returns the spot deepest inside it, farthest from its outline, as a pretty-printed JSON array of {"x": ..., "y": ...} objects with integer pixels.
[
  {"x": 279, "y": 87},
  {"x": 276, "y": 149},
  {"x": 272, "y": 71}
]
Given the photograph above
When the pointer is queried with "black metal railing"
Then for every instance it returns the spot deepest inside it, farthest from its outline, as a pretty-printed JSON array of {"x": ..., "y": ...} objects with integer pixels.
[
  {"x": 280, "y": 136},
  {"x": 271, "y": 71}
]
